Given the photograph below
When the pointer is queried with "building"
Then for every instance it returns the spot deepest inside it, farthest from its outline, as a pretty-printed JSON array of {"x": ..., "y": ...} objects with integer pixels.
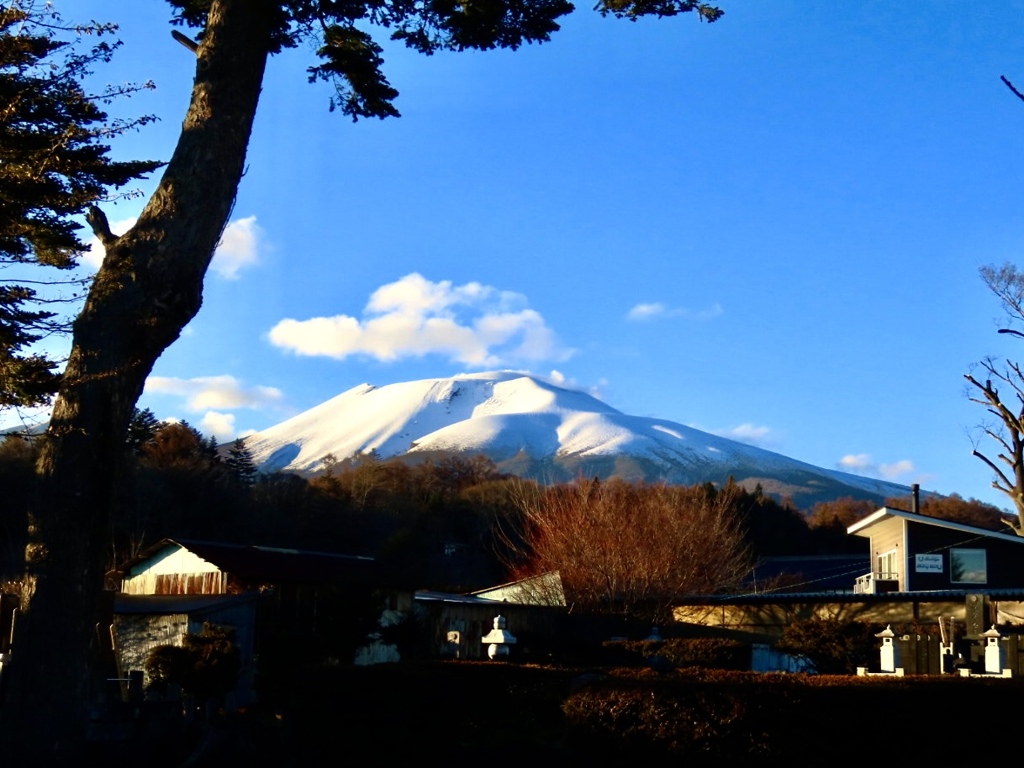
[
  {"x": 321, "y": 603},
  {"x": 920, "y": 569},
  {"x": 914, "y": 553}
]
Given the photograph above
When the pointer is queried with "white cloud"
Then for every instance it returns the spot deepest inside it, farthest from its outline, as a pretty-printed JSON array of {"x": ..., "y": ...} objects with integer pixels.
[
  {"x": 856, "y": 462},
  {"x": 896, "y": 470},
  {"x": 220, "y": 425},
  {"x": 646, "y": 311},
  {"x": 598, "y": 389},
  {"x": 656, "y": 309},
  {"x": 864, "y": 464},
  {"x": 239, "y": 247},
  {"x": 473, "y": 324},
  {"x": 751, "y": 434},
  {"x": 207, "y": 392},
  {"x": 715, "y": 310}
]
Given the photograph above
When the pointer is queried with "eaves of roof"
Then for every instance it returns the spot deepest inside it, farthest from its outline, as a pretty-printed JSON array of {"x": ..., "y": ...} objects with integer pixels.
[
  {"x": 861, "y": 525},
  {"x": 168, "y": 604},
  {"x": 766, "y": 598},
  {"x": 275, "y": 564}
]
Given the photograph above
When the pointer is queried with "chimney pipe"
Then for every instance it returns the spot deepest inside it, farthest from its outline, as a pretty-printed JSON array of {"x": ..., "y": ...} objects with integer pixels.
[{"x": 915, "y": 504}]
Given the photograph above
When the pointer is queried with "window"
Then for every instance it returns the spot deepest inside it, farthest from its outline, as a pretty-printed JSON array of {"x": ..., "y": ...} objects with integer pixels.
[
  {"x": 968, "y": 566},
  {"x": 887, "y": 566}
]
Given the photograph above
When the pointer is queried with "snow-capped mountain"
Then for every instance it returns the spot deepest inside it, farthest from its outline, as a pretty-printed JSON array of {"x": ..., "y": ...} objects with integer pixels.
[{"x": 533, "y": 428}]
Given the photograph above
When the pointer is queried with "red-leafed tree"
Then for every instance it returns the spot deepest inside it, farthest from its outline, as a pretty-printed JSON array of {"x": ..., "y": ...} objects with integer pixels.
[{"x": 631, "y": 549}]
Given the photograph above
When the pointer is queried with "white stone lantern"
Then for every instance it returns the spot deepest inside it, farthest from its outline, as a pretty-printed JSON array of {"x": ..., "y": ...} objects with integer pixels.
[
  {"x": 887, "y": 653},
  {"x": 993, "y": 653},
  {"x": 498, "y": 639}
]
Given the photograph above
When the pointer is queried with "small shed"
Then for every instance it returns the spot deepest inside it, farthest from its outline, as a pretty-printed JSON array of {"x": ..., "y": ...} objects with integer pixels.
[
  {"x": 290, "y": 595},
  {"x": 911, "y": 552}
]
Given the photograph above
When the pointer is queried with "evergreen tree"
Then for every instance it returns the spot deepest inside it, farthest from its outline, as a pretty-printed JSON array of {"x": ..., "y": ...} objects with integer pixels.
[
  {"x": 142, "y": 429},
  {"x": 53, "y": 164},
  {"x": 240, "y": 464}
]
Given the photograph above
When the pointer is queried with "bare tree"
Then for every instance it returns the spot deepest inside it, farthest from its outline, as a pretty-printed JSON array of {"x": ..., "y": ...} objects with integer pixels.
[
  {"x": 631, "y": 548},
  {"x": 999, "y": 387}
]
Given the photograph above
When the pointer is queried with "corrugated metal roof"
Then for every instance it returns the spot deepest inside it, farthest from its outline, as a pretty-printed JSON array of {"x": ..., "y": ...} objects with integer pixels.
[
  {"x": 274, "y": 564},
  {"x": 427, "y": 595},
  {"x": 937, "y": 595}
]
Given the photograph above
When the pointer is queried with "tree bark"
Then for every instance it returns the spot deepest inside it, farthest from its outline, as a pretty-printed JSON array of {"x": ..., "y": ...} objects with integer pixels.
[{"x": 148, "y": 288}]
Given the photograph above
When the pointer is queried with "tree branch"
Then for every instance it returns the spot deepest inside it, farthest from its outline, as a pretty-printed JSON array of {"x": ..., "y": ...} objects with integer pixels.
[
  {"x": 100, "y": 226},
  {"x": 192, "y": 45},
  {"x": 1009, "y": 85}
]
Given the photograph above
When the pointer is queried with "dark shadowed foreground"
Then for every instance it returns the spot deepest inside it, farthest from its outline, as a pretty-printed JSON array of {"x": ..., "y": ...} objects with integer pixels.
[{"x": 510, "y": 714}]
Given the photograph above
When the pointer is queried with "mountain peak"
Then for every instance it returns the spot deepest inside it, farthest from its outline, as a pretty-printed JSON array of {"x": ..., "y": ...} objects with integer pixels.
[{"x": 532, "y": 427}]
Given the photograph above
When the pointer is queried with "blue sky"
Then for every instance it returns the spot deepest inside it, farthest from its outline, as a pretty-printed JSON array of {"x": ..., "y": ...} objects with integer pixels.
[{"x": 768, "y": 228}]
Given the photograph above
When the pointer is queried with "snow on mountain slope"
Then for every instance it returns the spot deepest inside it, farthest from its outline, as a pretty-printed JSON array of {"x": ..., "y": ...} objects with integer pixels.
[{"x": 512, "y": 417}]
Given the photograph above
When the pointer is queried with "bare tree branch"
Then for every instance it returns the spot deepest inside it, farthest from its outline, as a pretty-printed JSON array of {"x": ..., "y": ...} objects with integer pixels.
[
  {"x": 630, "y": 549},
  {"x": 1009, "y": 85}
]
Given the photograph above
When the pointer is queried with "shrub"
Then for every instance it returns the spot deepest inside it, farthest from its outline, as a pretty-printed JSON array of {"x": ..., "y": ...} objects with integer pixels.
[
  {"x": 830, "y": 646},
  {"x": 745, "y": 718},
  {"x": 682, "y": 652},
  {"x": 206, "y": 665}
]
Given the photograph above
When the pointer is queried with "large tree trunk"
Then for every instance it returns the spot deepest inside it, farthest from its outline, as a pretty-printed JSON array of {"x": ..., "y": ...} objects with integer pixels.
[{"x": 148, "y": 288}]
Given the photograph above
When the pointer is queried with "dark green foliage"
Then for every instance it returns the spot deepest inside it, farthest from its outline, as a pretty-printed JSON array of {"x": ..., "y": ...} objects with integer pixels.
[
  {"x": 681, "y": 653},
  {"x": 206, "y": 665},
  {"x": 831, "y": 646},
  {"x": 54, "y": 163},
  {"x": 351, "y": 60},
  {"x": 142, "y": 430},
  {"x": 26, "y": 379},
  {"x": 240, "y": 465},
  {"x": 51, "y": 138},
  {"x": 633, "y": 10},
  {"x": 351, "y": 55}
]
